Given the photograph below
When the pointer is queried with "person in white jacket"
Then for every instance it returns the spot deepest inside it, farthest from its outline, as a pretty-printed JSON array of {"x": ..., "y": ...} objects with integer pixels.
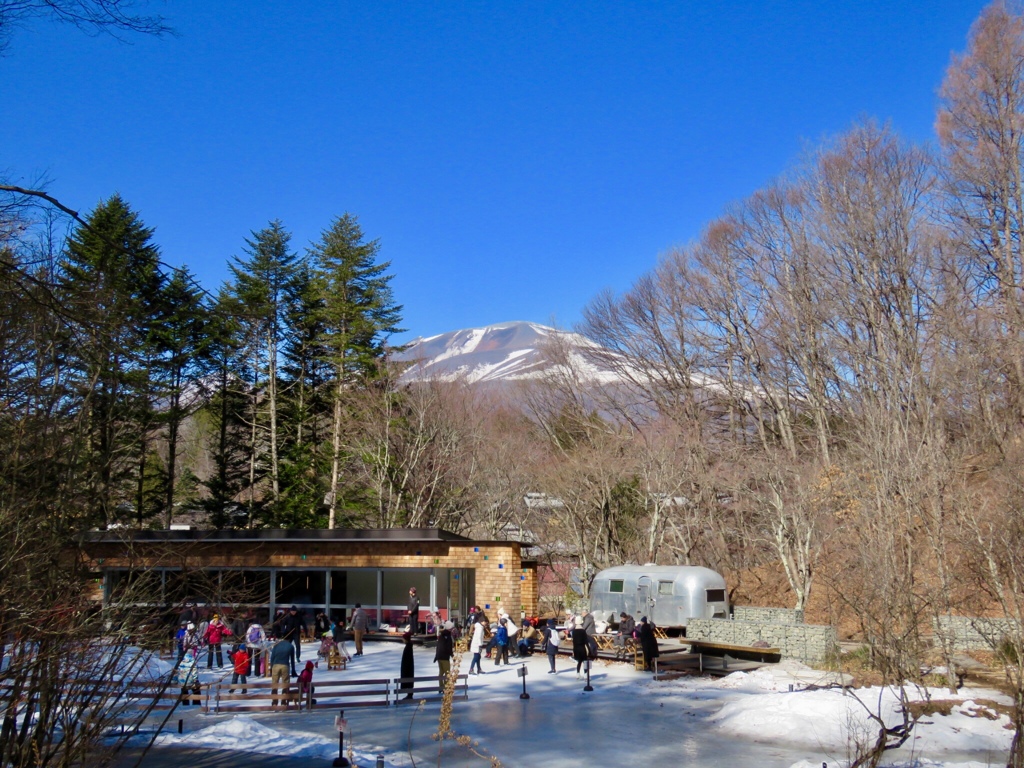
[
  {"x": 513, "y": 632},
  {"x": 476, "y": 645}
]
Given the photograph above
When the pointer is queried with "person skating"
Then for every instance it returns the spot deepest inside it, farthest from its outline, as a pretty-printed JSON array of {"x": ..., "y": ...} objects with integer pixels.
[
  {"x": 240, "y": 661},
  {"x": 501, "y": 643},
  {"x": 291, "y": 630},
  {"x": 443, "y": 654},
  {"x": 216, "y": 630},
  {"x": 476, "y": 645},
  {"x": 413, "y": 611},
  {"x": 580, "y": 646},
  {"x": 281, "y": 656},
  {"x": 360, "y": 621},
  {"x": 407, "y": 669},
  {"x": 551, "y": 641}
]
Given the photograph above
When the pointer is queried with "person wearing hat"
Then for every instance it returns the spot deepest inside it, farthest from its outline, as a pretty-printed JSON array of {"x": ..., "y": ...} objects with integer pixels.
[
  {"x": 215, "y": 632},
  {"x": 528, "y": 637},
  {"x": 414, "y": 611},
  {"x": 190, "y": 641},
  {"x": 443, "y": 654}
]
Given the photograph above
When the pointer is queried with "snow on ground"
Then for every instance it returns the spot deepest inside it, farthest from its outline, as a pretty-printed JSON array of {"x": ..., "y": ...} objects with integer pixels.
[{"x": 743, "y": 719}]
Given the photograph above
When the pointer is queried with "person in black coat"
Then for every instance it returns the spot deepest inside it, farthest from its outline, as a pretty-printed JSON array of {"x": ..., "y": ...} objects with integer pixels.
[
  {"x": 408, "y": 668},
  {"x": 648, "y": 642},
  {"x": 291, "y": 630},
  {"x": 322, "y": 625},
  {"x": 580, "y": 647},
  {"x": 443, "y": 654},
  {"x": 414, "y": 611}
]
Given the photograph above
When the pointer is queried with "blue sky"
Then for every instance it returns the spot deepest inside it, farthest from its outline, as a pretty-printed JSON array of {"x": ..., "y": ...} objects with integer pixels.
[{"x": 513, "y": 158}]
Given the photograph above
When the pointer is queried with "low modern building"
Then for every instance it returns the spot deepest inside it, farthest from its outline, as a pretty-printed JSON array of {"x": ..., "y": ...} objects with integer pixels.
[{"x": 262, "y": 571}]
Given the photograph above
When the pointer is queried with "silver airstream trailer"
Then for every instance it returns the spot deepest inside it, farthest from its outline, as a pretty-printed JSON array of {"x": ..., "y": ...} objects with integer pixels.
[{"x": 669, "y": 595}]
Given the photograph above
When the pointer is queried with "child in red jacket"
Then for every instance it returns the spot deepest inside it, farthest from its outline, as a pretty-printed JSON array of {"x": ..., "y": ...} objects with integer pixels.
[
  {"x": 305, "y": 680},
  {"x": 240, "y": 660}
]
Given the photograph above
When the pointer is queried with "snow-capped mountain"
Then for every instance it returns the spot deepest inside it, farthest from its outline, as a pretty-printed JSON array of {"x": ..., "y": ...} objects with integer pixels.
[{"x": 502, "y": 352}]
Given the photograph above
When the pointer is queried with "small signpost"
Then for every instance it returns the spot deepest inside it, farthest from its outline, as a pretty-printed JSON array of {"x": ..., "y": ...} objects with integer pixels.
[
  {"x": 588, "y": 686},
  {"x": 522, "y": 673},
  {"x": 342, "y": 725}
]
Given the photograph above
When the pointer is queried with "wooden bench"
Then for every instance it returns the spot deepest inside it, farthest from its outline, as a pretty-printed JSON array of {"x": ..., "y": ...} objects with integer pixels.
[{"x": 750, "y": 650}]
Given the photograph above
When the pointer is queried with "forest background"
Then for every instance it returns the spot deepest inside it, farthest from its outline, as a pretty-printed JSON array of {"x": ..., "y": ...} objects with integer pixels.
[{"x": 822, "y": 395}]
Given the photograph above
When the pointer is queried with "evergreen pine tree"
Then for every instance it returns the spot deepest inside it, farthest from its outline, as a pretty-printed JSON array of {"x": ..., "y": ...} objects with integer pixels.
[
  {"x": 358, "y": 314},
  {"x": 111, "y": 283},
  {"x": 263, "y": 284}
]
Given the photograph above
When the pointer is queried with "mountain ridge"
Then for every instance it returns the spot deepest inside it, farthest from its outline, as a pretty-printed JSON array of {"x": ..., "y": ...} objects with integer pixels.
[{"x": 510, "y": 351}]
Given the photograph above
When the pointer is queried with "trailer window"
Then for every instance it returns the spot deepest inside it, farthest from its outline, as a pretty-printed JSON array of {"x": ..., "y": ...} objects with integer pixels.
[
  {"x": 665, "y": 587},
  {"x": 716, "y": 595},
  {"x": 615, "y": 586}
]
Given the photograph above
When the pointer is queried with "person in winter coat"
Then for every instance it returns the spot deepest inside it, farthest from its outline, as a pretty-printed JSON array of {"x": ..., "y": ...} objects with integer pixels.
[
  {"x": 256, "y": 640},
  {"x": 179, "y": 636},
  {"x": 648, "y": 642},
  {"x": 321, "y": 625},
  {"x": 360, "y": 621},
  {"x": 190, "y": 640},
  {"x": 292, "y": 626},
  {"x": 215, "y": 633},
  {"x": 590, "y": 627},
  {"x": 551, "y": 641},
  {"x": 240, "y": 661},
  {"x": 281, "y": 656},
  {"x": 338, "y": 635},
  {"x": 238, "y": 625},
  {"x": 626, "y": 627},
  {"x": 305, "y": 680},
  {"x": 528, "y": 637},
  {"x": 187, "y": 677},
  {"x": 443, "y": 654},
  {"x": 501, "y": 643},
  {"x": 513, "y": 633},
  {"x": 476, "y": 645},
  {"x": 414, "y": 611},
  {"x": 408, "y": 668},
  {"x": 580, "y": 646}
]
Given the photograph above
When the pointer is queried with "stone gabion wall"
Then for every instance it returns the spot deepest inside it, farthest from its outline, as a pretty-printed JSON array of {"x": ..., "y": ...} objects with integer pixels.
[
  {"x": 974, "y": 634},
  {"x": 768, "y": 615},
  {"x": 809, "y": 643}
]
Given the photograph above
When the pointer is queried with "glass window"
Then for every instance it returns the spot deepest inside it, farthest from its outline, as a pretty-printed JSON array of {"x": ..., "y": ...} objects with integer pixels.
[
  {"x": 615, "y": 585},
  {"x": 360, "y": 587},
  {"x": 338, "y": 587},
  {"x": 716, "y": 595},
  {"x": 136, "y": 586},
  {"x": 244, "y": 587},
  {"x": 398, "y": 581},
  {"x": 301, "y": 587},
  {"x": 665, "y": 587}
]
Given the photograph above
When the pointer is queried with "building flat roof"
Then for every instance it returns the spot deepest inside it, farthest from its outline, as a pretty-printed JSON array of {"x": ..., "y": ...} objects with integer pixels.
[{"x": 279, "y": 534}]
